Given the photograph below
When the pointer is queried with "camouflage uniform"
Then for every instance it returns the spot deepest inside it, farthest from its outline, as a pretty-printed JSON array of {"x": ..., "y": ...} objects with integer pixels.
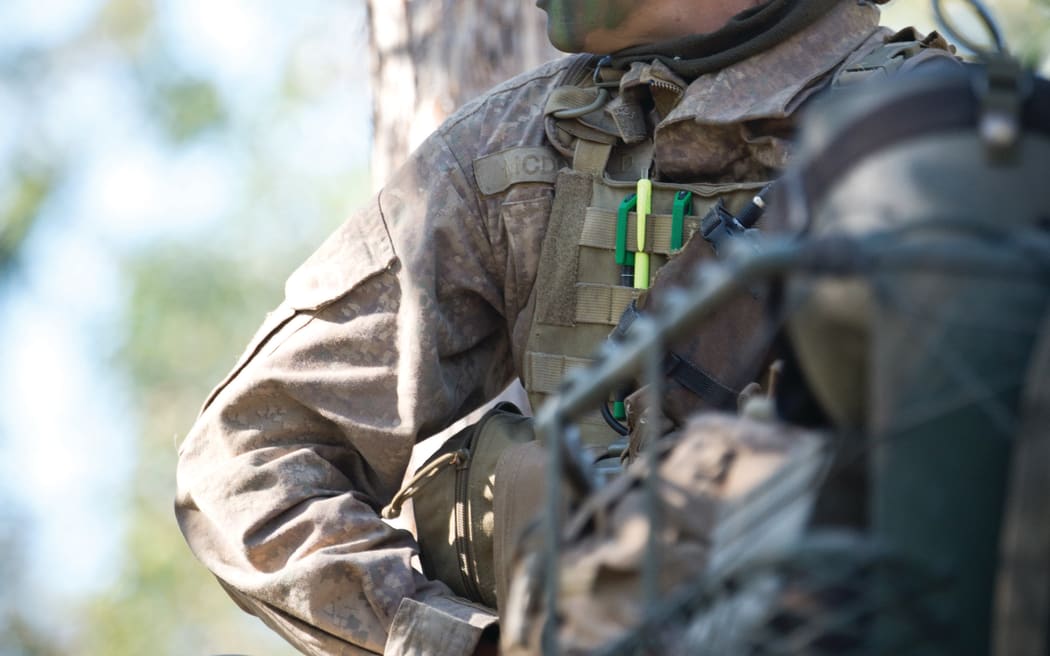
[{"x": 412, "y": 313}]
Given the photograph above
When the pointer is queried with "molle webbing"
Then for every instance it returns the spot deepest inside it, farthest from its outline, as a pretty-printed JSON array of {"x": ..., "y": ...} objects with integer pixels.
[
  {"x": 599, "y": 230},
  {"x": 579, "y": 297},
  {"x": 579, "y": 293},
  {"x": 602, "y": 304},
  {"x": 548, "y": 370}
]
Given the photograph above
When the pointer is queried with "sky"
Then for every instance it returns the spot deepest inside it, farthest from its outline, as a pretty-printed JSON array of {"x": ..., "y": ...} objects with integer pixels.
[{"x": 68, "y": 413}]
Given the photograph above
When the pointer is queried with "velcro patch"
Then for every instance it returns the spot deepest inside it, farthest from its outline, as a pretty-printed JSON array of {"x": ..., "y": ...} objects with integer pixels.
[{"x": 494, "y": 173}]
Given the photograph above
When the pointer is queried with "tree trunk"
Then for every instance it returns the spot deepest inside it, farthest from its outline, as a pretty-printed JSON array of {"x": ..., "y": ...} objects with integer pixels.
[{"x": 431, "y": 56}]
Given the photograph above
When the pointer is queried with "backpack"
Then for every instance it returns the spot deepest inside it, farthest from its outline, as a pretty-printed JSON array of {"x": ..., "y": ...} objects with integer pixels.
[
  {"x": 917, "y": 308},
  {"x": 935, "y": 354}
]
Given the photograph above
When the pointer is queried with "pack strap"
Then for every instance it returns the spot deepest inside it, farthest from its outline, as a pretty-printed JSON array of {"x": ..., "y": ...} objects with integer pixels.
[
  {"x": 957, "y": 109},
  {"x": 698, "y": 381}
]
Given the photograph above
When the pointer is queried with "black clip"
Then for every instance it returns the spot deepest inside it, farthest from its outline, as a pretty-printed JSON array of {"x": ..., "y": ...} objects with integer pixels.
[{"x": 720, "y": 224}]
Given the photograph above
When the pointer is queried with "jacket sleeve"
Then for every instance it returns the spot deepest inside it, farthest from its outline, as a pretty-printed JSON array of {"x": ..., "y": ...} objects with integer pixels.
[{"x": 391, "y": 330}]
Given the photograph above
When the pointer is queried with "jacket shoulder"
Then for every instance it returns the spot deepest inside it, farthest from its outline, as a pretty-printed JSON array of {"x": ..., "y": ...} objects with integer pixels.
[
  {"x": 510, "y": 114},
  {"x": 518, "y": 90}
]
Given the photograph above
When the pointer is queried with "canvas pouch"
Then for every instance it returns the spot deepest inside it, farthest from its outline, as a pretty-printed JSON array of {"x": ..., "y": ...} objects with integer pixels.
[{"x": 453, "y": 493}]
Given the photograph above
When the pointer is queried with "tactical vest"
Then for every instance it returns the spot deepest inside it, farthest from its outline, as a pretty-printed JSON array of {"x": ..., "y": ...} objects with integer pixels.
[
  {"x": 580, "y": 291},
  {"x": 580, "y": 296}
]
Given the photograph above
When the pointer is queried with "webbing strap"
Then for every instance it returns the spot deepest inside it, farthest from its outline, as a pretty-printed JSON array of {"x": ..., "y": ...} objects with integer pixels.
[
  {"x": 557, "y": 269},
  {"x": 545, "y": 371},
  {"x": 957, "y": 109},
  {"x": 599, "y": 230},
  {"x": 603, "y": 304},
  {"x": 591, "y": 157}
]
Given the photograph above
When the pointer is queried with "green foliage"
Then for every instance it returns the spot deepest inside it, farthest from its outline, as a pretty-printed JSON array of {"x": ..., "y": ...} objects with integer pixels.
[
  {"x": 1025, "y": 24},
  {"x": 124, "y": 23},
  {"x": 187, "y": 306},
  {"x": 191, "y": 306},
  {"x": 17, "y": 635},
  {"x": 21, "y": 207},
  {"x": 187, "y": 108}
]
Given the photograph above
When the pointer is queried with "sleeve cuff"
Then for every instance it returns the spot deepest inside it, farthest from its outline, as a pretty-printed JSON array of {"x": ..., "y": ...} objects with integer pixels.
[{"x": 441, "y": 626}]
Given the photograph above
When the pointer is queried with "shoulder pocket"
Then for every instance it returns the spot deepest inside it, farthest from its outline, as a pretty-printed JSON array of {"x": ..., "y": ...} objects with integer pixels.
[{"x": 359, "y": 249}]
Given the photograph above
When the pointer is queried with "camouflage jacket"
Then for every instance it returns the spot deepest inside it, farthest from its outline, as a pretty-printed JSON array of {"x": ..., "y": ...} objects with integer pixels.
[{"x": 411, "y": 314}]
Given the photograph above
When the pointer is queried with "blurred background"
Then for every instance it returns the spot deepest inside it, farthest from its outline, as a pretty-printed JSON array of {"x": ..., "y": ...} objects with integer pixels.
[{"x": 164, "y": 165}]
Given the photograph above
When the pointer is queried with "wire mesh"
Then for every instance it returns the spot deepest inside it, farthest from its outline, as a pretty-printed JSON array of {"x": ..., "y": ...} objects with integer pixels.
[
  {"x": 834, "y": 593},
  {"x": 828, "y": 596}
]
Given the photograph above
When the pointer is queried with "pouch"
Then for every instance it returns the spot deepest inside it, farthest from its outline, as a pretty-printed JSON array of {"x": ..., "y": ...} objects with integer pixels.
[{"x": 452, "y": 494}]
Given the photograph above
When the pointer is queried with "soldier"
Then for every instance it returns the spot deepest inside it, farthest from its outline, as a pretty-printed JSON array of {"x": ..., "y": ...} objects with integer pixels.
[{"x": 492, "y": 253}]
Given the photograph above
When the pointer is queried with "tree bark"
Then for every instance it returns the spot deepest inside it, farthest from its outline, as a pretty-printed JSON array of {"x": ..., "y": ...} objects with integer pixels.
[{"x": 431, "y": 56}]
